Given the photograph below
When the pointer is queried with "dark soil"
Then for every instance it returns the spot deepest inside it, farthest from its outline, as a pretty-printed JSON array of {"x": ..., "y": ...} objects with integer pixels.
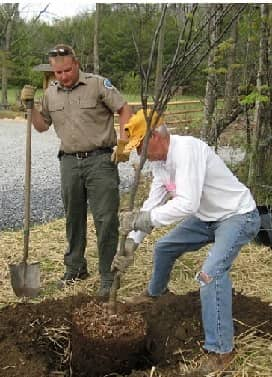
[
  {"x": 103, "y": 342},
  {"x": 76, "y": 336}
]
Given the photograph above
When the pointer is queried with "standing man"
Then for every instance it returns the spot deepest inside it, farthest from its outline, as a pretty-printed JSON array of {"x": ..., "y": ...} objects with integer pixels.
[
  {"x": 81, "y": 107},
  {"x": 209, "y": 205}
]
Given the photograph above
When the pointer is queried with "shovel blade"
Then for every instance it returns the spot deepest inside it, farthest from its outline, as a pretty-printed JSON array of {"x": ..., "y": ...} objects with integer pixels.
[{"x": 25, "y": 279}]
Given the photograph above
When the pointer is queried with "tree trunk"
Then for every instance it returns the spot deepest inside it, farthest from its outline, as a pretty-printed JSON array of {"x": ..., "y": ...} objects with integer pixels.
[
  {"x": 232, "y": 109},
  {"x": 210, "y": 96},
  {"x": 158, "y": 77},
  {"x": 5, "y": 58},
  {"x": 230, "y": 97},
  {"x": 11, "y": 10},
  {"x": 260, "y": 164},
  {"x": 95, "y": 40}
]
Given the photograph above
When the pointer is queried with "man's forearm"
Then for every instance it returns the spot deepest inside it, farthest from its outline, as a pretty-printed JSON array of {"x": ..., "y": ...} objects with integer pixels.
[
  {"x": 38, "y": 121},
  {"x": 124, "y": 114}
]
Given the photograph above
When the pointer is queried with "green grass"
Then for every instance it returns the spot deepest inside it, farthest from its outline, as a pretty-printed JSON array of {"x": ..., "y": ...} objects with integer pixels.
[{"x": 14, "y": 95}]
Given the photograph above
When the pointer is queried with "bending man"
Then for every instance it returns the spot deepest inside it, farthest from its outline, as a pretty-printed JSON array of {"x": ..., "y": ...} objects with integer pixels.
[{"x": 210, "y": 206}]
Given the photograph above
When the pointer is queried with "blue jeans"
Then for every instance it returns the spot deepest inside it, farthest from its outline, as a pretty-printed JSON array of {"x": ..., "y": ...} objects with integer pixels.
[{"x": 227, "y": 236}]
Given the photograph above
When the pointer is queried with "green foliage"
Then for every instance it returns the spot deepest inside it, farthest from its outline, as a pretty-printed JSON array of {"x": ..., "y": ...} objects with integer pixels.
[
  {"x": 216, "y": 71},
  {"x": 131, "y": 83},
  {"x": 224, "y": 46},
  {"x": 236, "y": 66},
  {"x": 255, "y": 96}
]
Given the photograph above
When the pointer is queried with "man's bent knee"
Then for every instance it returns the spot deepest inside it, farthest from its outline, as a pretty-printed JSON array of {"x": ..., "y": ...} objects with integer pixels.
[{"x": 203, "y": 278}]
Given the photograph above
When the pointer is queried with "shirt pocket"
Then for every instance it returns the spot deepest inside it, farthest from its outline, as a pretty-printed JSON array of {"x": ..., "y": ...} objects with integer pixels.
[
  {"x": 87, "y": 103},
  {"x": 56, "y": 106}
]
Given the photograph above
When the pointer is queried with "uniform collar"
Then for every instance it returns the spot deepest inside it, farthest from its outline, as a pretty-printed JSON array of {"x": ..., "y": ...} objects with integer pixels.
[{"x": 81, "y": 80}]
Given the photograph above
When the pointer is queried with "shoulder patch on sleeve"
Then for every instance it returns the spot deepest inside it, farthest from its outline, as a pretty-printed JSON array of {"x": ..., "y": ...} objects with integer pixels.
[
  {"x": 107, "y": 84},
  {"x": 53, "y": 83}
]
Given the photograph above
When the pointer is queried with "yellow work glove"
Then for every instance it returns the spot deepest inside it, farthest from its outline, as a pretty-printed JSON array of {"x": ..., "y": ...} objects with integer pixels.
[
  {"x": 28, "y": 93},
  {"x": 118, "y": 154}
]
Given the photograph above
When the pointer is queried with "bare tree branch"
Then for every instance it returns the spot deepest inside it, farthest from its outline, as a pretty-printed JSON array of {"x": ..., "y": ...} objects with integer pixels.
[
  {"x": 154, "y": 44},
  {"x": 34, "y": 21},
  {"x": 41, "y": 12}
]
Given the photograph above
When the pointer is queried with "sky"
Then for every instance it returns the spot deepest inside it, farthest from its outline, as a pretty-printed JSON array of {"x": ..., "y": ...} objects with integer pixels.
[{"x": 56, "y": 9}]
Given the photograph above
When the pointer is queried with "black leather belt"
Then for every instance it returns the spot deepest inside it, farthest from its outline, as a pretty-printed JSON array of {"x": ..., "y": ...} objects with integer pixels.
[{"x": 82, "y": 155}]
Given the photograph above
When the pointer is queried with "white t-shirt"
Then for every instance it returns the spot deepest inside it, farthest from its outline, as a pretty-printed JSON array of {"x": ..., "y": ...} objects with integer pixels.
[{"x": 199, "y": 183}]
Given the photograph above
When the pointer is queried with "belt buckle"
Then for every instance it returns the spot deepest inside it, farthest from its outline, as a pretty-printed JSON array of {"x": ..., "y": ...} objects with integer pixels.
[{"x": 81, "y": 155}]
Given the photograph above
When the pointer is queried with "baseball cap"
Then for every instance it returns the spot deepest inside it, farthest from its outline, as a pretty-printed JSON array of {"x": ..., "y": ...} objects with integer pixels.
[{"x": 136, "y": 128}]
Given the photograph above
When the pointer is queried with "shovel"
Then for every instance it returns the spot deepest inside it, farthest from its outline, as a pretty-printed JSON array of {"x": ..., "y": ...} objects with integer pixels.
[{"x": 25, "y": 278}]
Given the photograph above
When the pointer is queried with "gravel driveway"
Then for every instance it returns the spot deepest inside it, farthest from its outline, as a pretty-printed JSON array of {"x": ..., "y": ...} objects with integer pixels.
[{"x": 46, "y": 201}]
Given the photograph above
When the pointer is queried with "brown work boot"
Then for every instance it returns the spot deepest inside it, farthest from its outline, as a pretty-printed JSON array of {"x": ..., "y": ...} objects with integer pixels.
[
  {"x": 145, "y": 298},
  {"x": 215, "y": 362}
]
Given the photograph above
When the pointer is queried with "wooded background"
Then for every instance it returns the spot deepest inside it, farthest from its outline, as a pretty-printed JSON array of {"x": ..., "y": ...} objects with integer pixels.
[{"x": 156, "y": 51}]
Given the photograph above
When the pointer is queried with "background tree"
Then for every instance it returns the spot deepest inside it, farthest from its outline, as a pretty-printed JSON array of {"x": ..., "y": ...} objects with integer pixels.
[
  {"x": 8, "y": 16},
  {"x": 226, "y": 87},
  {"x": 210, "y": 94},
  {"x": 159, "y": 63},
  {"x": 260, "y": 175},
  {"x": 96, "y": 39}
]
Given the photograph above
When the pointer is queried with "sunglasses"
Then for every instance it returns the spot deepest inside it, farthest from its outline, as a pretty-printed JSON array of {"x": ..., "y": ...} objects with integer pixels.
[{"x": 60, "y": 52}]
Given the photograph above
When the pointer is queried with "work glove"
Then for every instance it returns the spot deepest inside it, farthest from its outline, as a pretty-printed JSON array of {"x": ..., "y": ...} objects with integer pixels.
[
  {"x": 118, "y": 154},
  {"x": 122, "y": 262},
  {"x": 130, "y": 220},
  {"x": 28, "y": 93}
]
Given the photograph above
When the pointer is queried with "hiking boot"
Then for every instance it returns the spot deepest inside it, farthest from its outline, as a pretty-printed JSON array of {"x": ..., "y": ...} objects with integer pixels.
[
  {"x": 145, "y": 298},
  {"x": 70, "y": 278},
  {"x": 213, "y": 362}
]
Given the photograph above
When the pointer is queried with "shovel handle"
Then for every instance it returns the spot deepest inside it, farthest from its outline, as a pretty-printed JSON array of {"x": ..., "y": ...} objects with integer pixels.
[
  {"x": 29, "y": 106},
  {"x": 116, "y": 280}
]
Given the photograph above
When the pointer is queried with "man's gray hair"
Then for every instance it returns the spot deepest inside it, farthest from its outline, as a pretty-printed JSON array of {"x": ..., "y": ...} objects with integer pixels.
[{"x": 162, "y": 130}]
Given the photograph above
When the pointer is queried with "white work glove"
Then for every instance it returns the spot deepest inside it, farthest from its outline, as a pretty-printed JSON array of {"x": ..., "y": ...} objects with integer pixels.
[
  {"x": 28, "y": 93},
  {"x": 130, "y": 220},
  {"x": 122, "y": 262},
  {"x": 118, "y": 154}
]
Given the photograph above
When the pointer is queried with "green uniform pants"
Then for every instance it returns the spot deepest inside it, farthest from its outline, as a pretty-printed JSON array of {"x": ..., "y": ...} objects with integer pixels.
[{"x": 95, "y": 181}]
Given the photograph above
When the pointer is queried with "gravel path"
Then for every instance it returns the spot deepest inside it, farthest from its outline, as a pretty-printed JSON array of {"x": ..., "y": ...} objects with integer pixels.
[{"x": 46, "y": 201}]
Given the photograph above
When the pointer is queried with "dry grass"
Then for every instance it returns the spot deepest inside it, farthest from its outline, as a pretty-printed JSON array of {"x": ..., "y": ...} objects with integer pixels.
[{"x": 251, "y": 275}]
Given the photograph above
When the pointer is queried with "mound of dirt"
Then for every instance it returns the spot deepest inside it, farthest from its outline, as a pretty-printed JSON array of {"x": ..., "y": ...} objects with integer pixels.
[{"x": 48, "y": 339}]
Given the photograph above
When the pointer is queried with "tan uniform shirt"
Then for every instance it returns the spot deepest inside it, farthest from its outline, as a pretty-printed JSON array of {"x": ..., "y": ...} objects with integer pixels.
[{"x": 83, "y": 116}]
